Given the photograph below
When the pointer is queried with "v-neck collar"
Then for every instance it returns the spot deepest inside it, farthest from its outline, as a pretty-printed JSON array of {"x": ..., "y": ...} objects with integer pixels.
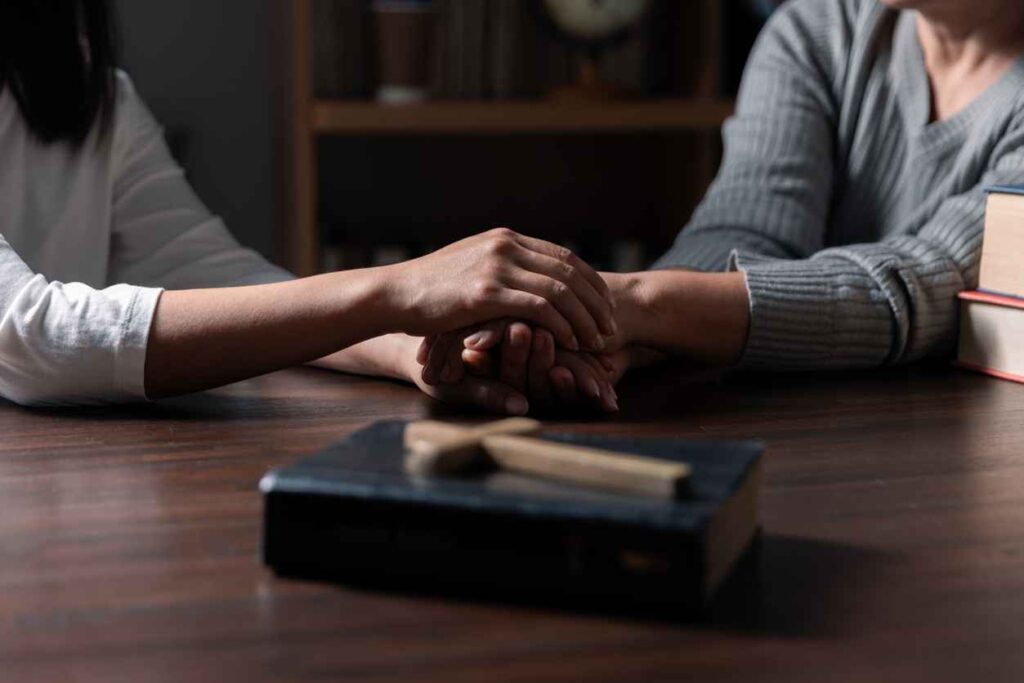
[{"x": 915, "y": 91}]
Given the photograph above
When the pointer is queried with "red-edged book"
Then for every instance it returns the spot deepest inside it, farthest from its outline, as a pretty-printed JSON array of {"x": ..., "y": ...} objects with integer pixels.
[{"x": 992, "y": 334}]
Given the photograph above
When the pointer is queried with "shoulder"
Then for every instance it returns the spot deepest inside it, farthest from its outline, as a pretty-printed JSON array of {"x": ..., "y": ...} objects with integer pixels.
[
  {"x": 820, "y": 34},
  {"x": 134, "y": 124}
]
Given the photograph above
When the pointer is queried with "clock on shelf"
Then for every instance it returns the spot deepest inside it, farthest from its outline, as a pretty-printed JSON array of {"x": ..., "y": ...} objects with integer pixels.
[{"x": 590, "y": 27}]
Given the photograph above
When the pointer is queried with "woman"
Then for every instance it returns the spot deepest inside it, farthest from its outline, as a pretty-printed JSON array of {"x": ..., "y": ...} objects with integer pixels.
[
  {"x": 89, "y": 196},
  {"x": 849, "y": 208}
]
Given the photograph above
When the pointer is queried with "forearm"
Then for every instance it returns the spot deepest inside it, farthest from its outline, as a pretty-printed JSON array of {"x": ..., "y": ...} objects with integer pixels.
[
  {"x": 704, "y": 316},
  {"x": 205, "y": 338},
  {"x": 388, "y": 356}
]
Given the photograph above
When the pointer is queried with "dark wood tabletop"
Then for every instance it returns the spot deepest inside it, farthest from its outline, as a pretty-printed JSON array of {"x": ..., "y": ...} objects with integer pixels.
[{"x": 893, "y": 545}]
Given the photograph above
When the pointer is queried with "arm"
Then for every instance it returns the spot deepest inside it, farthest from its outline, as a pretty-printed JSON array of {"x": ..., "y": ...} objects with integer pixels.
[
  {"x": 205, "y": 338},
  {"x": 161, "y": 233},
  {"x": 703, "y": 316},
  {"x": 163, "y": 236},
  {"x": 202, "y": 338},
  {"x": 72, "y": 344},
  {"x": 864, "y": 305},
  {"x": 69, "y": 343},
  {"x": 772, "y": 194}
]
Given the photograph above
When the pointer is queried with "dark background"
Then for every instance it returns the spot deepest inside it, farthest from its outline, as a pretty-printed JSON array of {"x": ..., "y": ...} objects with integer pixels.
[
  {"x": 210, "y": 72},
  {"x": 207, "y": 70}
]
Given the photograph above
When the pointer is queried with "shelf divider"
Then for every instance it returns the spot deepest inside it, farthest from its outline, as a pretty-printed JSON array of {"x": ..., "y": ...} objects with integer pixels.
[{"x": 341, "y": 117}]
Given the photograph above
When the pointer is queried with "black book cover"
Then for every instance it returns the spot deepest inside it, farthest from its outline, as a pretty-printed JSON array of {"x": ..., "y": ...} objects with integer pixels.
[{"x": 351, "y": 513}]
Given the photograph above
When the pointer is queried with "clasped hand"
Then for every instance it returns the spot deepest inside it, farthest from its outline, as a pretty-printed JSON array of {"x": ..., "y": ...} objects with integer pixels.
[
  {"x": 514, "y": 366},
  {"x": 509, "y": 323}
]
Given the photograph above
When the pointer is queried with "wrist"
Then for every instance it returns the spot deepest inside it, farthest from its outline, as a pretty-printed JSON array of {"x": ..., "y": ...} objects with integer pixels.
[
  {"x": 379, "y": 301},
  {"x": 634, "y": 298},
  {"x": 704, "y": 316},
  {"x": 396, "y": 357}
]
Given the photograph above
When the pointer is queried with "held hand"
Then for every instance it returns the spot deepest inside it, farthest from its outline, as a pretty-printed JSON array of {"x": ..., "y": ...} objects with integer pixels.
[
  {"x": 529, "y": 361},
  {"x": 442, "y": 355},
  {"x": 500, "y": 274},
  {"x": 483, "y": 392},
  {"x": 558, "y": 378}
]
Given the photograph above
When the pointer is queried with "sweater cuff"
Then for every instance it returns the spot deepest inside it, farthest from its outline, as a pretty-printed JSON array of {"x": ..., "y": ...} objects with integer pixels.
[
  {"x": 799, "y": 321},
  {"x": 130, "y": 361}
]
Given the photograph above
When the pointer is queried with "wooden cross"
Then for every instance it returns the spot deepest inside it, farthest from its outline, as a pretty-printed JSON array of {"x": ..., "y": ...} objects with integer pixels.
[{"x": 441, "y": 448}]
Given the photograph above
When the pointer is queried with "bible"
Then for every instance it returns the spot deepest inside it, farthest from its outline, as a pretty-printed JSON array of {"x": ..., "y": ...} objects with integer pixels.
[{"x": 353, "y": 513}]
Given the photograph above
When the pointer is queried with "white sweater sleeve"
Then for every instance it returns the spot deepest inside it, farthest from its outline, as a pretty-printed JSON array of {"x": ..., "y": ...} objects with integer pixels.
[
  {"x": 70, "y": 344},
  {"x": 162, "y": 234}
]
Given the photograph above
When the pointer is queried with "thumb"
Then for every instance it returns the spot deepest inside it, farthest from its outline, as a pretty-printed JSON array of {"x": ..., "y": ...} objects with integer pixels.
[{"x": 488, "y": 336}]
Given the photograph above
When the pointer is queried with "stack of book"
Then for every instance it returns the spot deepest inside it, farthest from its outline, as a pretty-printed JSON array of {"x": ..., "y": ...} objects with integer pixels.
[{"x": 992, "y": 317}]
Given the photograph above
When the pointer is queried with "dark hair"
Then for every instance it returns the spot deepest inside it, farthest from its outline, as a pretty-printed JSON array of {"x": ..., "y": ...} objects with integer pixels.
[{"x": 57, "y": 58}]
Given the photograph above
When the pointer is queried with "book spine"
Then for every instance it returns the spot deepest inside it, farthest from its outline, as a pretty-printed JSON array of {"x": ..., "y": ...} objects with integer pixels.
[{"x": 418, "y": 546}]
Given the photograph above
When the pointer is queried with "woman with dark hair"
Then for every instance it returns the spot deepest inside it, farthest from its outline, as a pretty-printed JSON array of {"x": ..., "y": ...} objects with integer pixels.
[{"x": 96, "y": 220}]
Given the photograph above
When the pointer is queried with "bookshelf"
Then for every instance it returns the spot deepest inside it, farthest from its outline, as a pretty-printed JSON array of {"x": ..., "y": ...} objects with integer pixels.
[{"x": 308, "y": 119}]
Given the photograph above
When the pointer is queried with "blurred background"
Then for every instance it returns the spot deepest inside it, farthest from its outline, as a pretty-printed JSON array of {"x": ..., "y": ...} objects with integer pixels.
[{"x": 341, "y": 133}]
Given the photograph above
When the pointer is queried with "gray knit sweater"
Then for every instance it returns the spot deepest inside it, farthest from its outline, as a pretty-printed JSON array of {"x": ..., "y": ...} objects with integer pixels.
[{"x": 854, "y": 219}]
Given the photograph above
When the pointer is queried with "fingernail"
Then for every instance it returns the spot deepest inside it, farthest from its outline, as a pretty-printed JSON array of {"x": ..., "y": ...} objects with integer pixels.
[
  {"x": 592, "y": 388},
  {"x": 614, "y": 404},
  {"x": 474, "y": 340},
  {"x": 574, "y": 344},
  {"x": 516, "y": 405},
  {"x": 599, "y": 344},
  {"x": 517, "y": 338},
  {"x": 614, "y": 327}
]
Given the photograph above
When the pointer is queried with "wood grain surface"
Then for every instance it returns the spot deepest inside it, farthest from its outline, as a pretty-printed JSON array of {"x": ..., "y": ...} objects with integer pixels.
[{"x": 893, "y": 546}]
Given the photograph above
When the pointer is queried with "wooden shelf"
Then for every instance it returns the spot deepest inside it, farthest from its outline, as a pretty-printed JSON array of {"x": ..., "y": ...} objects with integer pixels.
[
  {"x": 511, "y": 117},
  {"x": 305, "y": 118}
]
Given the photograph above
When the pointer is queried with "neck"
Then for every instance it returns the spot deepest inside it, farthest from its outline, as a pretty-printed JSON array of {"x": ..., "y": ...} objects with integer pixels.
[
  {"x": 969, "y": 45},
  {"x": 972, "y": 34}
]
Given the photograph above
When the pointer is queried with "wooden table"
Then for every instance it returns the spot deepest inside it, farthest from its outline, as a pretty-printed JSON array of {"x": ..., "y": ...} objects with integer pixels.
[{"x": 893, "y": 550}]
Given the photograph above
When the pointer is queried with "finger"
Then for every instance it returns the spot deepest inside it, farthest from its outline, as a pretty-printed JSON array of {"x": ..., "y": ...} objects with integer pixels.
[
  {"x": 587, "y": 378},
  {"x": 478, "y": 363},
  {"x": 542, "y": 360},
  {"x": 564, "y": 385},
  {"x": 487, "y": 336},
  {"x": 437, "y": 360},
  {"x": 566, "y": 256},
  {"x": 609, "y": 397},
  {"x": 434, "y": 365},
  {"x": 423, "y": 352},
  {"x": 599, "y": 308},
  {"x": 514, "y": 303},
  {"x": 514, "y": 356},
  {"x": 487, "y": 394},
  {"x": 563, "y": 299},
  {"x": 454, "y": 369}
]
